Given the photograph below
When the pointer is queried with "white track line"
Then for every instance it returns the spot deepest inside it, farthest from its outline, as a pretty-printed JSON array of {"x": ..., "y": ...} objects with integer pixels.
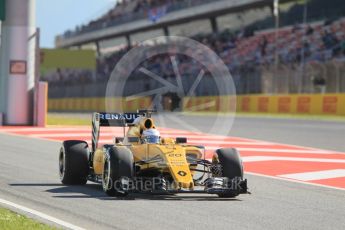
[
  {"x": 259, "y": 150},
  {"x": 116, "y": 130},
  {"x": 33, "y": 130},
  {"x": 268, "y": 150},
  {"x": 112, "y": 134},
  {"x": 84, "y": 129},
  {"x": 294, "y": 181},
  {"x": 86, "y": 134},
  {"x": 41, "y": 215},
  {"x": 209, "y": 147},
  {"x": 81, "y": 135},
  {"x": 228, "y": 143},
  {"x": 304, "y": 159},
  {"x": 286, "y": 150},
  {"x": 317, "y": 175}
]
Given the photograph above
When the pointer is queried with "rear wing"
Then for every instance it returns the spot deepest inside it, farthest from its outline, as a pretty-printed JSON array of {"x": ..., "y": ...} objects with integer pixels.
[
  {"x": 114, "y": 120},
  {"x": 110, "y": 120}
]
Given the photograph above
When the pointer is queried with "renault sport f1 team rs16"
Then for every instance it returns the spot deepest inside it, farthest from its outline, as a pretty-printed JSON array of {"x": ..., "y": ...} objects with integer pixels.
[{"x": 143, "y": 161}]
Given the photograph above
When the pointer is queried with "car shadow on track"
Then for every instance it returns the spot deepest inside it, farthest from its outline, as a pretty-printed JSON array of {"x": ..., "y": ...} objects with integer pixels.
[{"x": 95, "y": 191}]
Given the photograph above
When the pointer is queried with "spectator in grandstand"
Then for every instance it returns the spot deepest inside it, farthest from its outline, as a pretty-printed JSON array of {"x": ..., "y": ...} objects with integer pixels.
[
  {"x": 320, "y": 84},
  {"x": 329, "y": 39},
  {"x": 306, "y": 48},
  {"x": 263, "y": 45},
  {"x": 296, "y": 27},
  {"x": 342, "y": 45},
  {"x": 309, "y": 30}
]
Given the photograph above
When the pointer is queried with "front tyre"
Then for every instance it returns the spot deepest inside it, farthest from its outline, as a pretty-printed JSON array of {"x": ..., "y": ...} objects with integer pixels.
[
  {"x": 74, "y": 162},
  {"x": 231, "y": 166},
  {"x": 118, "y": 165}
]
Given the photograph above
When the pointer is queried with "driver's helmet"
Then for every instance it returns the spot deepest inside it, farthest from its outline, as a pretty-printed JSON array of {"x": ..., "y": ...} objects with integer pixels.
[{"x": 151, "y": 136}]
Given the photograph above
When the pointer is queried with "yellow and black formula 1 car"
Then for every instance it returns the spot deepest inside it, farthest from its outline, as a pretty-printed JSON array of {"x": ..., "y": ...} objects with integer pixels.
[{"x": 142, "y": 161}]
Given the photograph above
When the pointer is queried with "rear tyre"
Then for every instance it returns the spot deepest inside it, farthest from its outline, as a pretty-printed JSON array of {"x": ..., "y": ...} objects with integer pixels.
[
  {"x": 74, "y": 162},
  {"x": 231, "y": 166},
  {"x": 118, "y": 164}
]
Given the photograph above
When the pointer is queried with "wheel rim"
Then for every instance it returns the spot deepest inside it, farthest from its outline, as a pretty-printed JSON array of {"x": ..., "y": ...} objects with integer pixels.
[
  {"x": 61, "y": 164},
  {"x": 106, "y": 175}
]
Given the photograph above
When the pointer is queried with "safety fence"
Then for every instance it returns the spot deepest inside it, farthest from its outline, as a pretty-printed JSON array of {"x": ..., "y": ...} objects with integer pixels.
[{"x": 312, "y": 77}]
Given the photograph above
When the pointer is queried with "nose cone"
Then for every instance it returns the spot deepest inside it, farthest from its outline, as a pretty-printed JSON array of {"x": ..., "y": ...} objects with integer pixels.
[{"x": 178, "y": 166}]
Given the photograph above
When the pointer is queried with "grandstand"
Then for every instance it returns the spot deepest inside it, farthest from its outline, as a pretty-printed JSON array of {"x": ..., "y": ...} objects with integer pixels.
[{"x": 304, "y": 55}]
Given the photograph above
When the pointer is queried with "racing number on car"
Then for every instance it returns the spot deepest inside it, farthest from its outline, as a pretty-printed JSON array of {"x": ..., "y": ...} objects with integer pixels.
[{"x": 175, "y": 155}]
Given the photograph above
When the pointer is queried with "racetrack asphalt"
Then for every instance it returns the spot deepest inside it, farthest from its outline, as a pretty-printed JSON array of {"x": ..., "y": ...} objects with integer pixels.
[{"x": 29, "y": 177}]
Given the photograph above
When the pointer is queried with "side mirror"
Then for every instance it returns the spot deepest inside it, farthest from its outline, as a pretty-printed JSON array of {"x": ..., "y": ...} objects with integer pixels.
[
  {"x": 133, "y": 139},
  {"x": 181, "y": 140},
  {"x": 118, "y": 140}
]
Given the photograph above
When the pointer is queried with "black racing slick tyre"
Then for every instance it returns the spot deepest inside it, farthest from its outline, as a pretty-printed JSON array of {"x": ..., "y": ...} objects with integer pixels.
[
  {"x": 118, "y": 166},
  {"x": 74, "y": 162},
  {"x": 231, "y": 166}
]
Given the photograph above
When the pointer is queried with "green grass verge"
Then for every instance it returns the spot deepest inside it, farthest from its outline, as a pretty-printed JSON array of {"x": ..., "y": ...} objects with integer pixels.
[{"x": 10, "y": 220}]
